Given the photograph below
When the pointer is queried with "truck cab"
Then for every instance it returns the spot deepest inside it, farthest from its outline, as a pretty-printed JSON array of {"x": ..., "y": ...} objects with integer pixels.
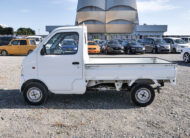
[{"x": 49, "y": 69}]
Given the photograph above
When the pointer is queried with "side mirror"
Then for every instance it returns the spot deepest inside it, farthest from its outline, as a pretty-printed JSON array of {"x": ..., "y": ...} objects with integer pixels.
[{"x": 43, "y": 51}]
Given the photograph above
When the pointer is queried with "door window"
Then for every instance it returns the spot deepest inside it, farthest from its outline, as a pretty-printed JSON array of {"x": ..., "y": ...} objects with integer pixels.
[
  {"x": 63, "y": 44},
  {"x": 15, "y": 42},
  {"x": 32, "y": 42},
  {"x": 23, "y": 42}
]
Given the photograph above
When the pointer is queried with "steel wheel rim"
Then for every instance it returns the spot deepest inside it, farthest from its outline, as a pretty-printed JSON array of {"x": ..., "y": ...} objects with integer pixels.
[
  {"x": 143, "y": 95},
  {"x": 4, "y": 53},
  {"x": 186, "y": 58},
  {"x": 34, "y": 94}
]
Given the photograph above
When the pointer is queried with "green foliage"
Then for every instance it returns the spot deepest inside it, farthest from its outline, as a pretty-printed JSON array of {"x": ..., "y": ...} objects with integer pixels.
[
  {"x": 6, "y": 31},
  {"x": 25, "y": 31}
]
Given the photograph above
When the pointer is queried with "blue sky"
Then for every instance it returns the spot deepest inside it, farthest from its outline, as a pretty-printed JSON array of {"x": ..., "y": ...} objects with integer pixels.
[{"x": 39, "y": 13}]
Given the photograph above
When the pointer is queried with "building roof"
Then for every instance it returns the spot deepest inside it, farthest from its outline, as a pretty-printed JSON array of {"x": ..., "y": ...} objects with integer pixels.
[{"x": 151, "y": 28}]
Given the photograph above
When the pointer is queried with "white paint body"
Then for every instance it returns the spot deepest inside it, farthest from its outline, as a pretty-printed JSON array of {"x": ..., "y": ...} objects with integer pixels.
[
  {"x": 185, "y": 50},
  {"x": 62, "y": 77},
  {"x": 38, "y": 39}
]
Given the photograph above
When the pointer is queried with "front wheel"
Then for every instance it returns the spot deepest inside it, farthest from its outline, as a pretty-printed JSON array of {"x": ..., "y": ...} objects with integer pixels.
[
  {"x": 142, "y": 95},
  {"x": 186, "y": 58},
  {"x": 35, "y": 93},
  {"x": 4, "y": 53}
]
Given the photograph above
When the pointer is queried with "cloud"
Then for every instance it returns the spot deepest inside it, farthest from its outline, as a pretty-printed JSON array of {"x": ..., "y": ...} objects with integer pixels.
[
  {"x": 3, "y": 25},
  {"x": 155, "y": 5}
]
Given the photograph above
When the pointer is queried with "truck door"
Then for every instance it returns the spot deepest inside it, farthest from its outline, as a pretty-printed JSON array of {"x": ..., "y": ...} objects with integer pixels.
[{"x": 61, "y": 68}]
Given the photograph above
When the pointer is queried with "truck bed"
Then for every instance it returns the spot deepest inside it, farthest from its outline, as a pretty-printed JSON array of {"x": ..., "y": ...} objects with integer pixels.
[
  {"x": 130, "y": 69},
  {"x": 120, "y": 60}
]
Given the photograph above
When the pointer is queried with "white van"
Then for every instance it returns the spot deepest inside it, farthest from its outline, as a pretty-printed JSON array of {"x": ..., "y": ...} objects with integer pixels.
[
  {"x": 177, "y": 44},
  {"x": 38, "y": 39}
]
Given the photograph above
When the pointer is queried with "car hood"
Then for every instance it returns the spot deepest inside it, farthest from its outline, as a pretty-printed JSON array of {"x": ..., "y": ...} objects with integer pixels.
[
  {"x": 115, "y": 46},
  {"x": 184, "y": 45},
  {"x": 165, "y": 45},
  {"x": 69, "y": 46},
  {"x": 93, "y": 46},
  {"x": 137, "y": 46},
  {"x": 2, "y": 47}
]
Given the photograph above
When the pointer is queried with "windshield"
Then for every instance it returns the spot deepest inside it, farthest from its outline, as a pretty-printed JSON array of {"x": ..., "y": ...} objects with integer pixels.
[
  {"x": 37, "y": 39},
  {"x": 180, "y": 41},
  {"x": 91, "y": 43},
  {"x": 113, "y": 42},
  {"x": 69, "y": 43},
  {"x": 160, "y": 41},
  {"x": 134, "y": 43}
]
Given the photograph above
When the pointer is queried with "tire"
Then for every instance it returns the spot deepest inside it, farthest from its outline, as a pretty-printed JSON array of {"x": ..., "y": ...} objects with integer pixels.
[
  {"x": 186, "y": 57},
  {"x": 142, "y": 95},
  {"x": 35, "y": 93},
  {"x": 154, "y": 51},
  {"x": 29, "y": 52},
  {"x": 4, "y": 53},
  {"x": 174, "y": 50},
  {"x": 128, "y": 51}
]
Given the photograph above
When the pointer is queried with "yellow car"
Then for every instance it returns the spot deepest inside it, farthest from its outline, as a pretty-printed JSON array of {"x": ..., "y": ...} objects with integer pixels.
[
  {"x": 18, "y": 47},
  {"x": 93, "y": 48}
]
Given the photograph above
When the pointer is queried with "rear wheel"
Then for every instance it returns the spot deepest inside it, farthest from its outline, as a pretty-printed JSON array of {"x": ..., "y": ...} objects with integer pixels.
[
  {"x": 186, "y": 57},
  {"x": 35, "y": 93},
  {"x": 142, "y": 95},
  {"x": 4, "y": 53}
]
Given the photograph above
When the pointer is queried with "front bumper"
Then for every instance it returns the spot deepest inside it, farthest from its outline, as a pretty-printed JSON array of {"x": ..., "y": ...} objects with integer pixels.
[
  {"x": 116, "y": 51},
  {"x": 137, "y": 50},
  {"x": 97, "y": 51}
]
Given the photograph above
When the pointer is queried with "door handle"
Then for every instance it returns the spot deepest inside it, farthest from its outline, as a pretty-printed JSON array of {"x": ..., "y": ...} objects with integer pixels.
[{"x": 76, "y": 63}]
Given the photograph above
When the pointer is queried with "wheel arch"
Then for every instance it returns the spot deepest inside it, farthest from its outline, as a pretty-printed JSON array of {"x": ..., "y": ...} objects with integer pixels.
[
  {"x": 25, "y": 84},
  {"x": 143, "y": 81}
]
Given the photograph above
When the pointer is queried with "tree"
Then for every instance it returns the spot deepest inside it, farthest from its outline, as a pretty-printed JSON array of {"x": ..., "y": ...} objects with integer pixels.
[
  {"x": 25, "y": 31},
  {"x": 6, "y": 31}
]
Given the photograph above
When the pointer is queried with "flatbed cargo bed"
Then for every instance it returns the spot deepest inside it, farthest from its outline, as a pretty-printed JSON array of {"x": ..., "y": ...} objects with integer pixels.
[
  {"x": 124, "y": 60},
  {"x": 109, "y": 68}
]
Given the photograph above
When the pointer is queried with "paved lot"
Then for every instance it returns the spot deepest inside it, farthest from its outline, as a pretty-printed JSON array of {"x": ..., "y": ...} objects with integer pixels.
[{"x": 94, "y": 114}]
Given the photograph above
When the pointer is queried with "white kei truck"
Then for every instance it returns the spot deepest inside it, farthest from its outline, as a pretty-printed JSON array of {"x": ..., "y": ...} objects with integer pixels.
[{"x": 59, "y": 67}]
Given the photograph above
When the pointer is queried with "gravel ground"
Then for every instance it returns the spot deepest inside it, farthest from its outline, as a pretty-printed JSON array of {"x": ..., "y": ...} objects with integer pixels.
[{"x": 94, "y": 114}]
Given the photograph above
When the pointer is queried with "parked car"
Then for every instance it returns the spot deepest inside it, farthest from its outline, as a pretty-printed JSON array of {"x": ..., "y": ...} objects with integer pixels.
[
  {"x": 5, "y": 40},
  {"x": 177, "y": 44},
  {"x": 102, "y": 44},
  {"x": 38, "y": 39},
  {"x": 18, "y": 47},
  {"x": 186, "y": 39},
  {"x": 133, "y": 47},
  {"x": 93, "y": 48},
  {"x": 77, "y": 73},
  {"x": 114, "y": 47},
  {"x": 186, "y": 55},
  {"x": 69, "y": 46},
  {"x": 156, "y": 45}
]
